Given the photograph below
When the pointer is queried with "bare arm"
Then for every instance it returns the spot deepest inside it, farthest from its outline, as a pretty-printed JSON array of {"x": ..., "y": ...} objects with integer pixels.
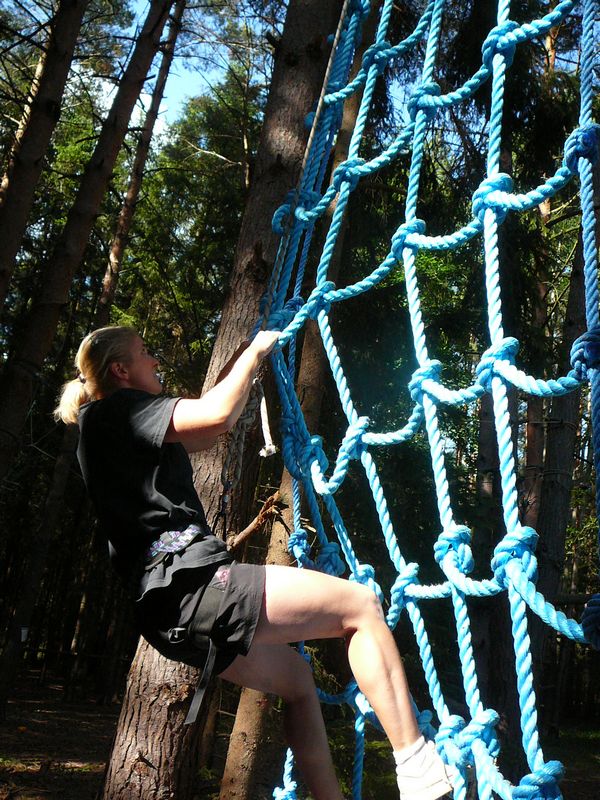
[{"x": 198, "y": 423}]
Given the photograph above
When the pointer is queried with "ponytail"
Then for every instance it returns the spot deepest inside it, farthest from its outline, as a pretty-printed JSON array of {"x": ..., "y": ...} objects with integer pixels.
[{"x": 72, "y": 396}]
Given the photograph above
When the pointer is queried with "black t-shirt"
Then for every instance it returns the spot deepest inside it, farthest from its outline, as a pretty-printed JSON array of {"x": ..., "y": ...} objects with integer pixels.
[{"x": 140, "y": 485}]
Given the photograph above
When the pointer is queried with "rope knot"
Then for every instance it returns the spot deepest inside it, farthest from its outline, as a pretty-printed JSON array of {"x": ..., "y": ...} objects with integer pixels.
[
  {"x": 584, "y": 142},
  {"x": 353, "y": 442},
  {"x": 585, "y": 353},
  {"x": 431, "y": 370},
  {"x": 329, "y": 560},
  {"x": 504, "y": 350},
  {"x": 590, "y": 622},
  {"x": 541, "y": 784},
  {"x": 360, "y": 7},
  {"x": 289, "y": 446},
  {"x": 482, "y": 200},
  {"x": 363, "y": 573},
  {"x": 448, "y": 742},
  {"x": 499, "y": 40},
  {"x": 399, "y": 238},
  {"x": 349, "y": 172},
  {"x": 285, "y": 793},
  {"x": 294, "y": 304},
  {"x": 516, "y": 546},
  {"x": 422, "y": 99},
  {"x": 424, "y": 718},
  {"x": 378, "y": 55},
  {"x": 307, "y": 200},
  {"x": 278, "y": 320},
  {"x": 458, "y": 540},
  {"x": 298, "y": 544},
  {"x": 406, "y": 578},
  {"x": 318, "y": 301},
  {"x": 311, "y": 451},
  {"x": 282, "y": 214},
  {"x": 482, "y": 726}
]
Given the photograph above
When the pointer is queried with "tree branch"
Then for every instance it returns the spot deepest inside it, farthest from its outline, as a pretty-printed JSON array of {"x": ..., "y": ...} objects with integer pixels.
[{"x": 271, "y": 508}]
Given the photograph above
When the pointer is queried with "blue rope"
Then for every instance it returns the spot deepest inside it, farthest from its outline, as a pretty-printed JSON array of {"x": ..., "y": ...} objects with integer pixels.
[{"x": 467, "y": 743}]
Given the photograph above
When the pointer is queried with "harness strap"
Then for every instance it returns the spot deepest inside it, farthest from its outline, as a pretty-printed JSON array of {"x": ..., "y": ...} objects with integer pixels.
[
  {"x": 198, "y": 697},
  {"x": 211, "y": 600}
]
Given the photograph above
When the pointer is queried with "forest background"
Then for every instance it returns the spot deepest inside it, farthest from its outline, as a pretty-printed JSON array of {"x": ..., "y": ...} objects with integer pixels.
[{"x": 107, "y": 214}]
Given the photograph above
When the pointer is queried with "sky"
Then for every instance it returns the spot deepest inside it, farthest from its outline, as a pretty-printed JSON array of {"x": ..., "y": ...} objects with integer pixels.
[{"x": 182, "y": 83}]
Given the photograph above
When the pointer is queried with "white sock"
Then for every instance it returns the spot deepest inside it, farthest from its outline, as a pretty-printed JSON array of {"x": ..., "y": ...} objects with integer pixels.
[
  {"x": 421, "y": 772},
  {"x": 401, "y": 756}
]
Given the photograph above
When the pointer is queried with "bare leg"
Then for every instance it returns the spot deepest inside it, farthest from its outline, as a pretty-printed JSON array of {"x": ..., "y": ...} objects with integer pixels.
[
  {"x": 303, "y": 604},
  {"x": 280, "y": 670}
]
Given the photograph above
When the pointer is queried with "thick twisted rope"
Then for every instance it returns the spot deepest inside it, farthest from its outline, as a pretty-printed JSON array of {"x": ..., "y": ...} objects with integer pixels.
[{"x": 468, "y": 743}]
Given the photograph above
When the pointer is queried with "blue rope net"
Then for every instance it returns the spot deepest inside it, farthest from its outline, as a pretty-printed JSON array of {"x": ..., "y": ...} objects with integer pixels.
[{"x": 471, "y": 744}]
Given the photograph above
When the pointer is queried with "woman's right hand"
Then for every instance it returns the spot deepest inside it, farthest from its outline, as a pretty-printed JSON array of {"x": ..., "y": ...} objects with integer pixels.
[
  {"x": 264, "y": 342},
  {"x": 198, "y": 423}
]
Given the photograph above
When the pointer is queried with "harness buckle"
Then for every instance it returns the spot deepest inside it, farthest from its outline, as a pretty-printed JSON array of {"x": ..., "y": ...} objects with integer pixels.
[{"x": 177, "y": 635}]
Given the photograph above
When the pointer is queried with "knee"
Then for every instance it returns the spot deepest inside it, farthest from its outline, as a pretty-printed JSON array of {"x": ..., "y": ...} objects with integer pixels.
[
  {"x": 302, "y": 683},
  {"x": 365, "y": 608}
]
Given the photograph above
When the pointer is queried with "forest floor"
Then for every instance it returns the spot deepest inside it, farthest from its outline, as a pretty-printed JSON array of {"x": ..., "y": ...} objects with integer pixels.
[
  {"x": 56, "y": 750},
  {"x": 51, "y": 749}
]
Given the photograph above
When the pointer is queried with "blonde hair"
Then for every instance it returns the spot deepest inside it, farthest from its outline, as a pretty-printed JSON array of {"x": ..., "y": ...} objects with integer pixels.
[{"x": 98, "y": 350}]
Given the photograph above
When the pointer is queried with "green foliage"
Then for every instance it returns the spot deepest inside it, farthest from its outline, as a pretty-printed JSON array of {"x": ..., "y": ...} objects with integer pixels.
[{"x": 186, "y": 226}]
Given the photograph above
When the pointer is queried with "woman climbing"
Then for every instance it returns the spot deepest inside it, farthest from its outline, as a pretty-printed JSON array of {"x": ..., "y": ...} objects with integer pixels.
[{"x": 193, "y": 602}]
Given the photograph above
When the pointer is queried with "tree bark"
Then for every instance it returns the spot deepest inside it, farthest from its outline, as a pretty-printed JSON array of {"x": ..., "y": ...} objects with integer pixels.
[
  {"x": 158, "y": 760},
  {"x": 534, "y": 431},
  {"x": 35, "y": 339},
  {"x": 298, "y": 72},
  {"x": 253, "y": 720},
  {"x": 34, "y": 133}
]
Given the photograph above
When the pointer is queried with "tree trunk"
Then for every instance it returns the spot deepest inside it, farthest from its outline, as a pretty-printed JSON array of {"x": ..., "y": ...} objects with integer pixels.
[
  {"x": 35, "y": 340},
  {"x": 534, "y": 460},
  {"x": 121, "y": 237},
  {"x": 492, "y": 635},
  {"x": 299, "y": 68},
  {"x": 297, "y": 76},
  {"x": 534, "y": 431},
  {"x": 562, "y": 429},
  {"x": 34, "y": 133},
  {"x": 159, "y": 758},
  {"x": 561, "y": 436},
  {"x": 245, "y": 758}
]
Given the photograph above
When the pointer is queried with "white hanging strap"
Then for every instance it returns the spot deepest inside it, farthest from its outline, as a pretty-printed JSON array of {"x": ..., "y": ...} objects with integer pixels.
[{"x": 269, "y": 449}]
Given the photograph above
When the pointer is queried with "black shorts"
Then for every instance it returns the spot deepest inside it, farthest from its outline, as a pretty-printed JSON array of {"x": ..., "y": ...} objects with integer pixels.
[{"x": 221, "y": 602}]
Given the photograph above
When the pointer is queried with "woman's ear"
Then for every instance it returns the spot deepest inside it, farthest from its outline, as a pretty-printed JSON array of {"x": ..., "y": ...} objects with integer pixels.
[{"x": 118, "y": 370}]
